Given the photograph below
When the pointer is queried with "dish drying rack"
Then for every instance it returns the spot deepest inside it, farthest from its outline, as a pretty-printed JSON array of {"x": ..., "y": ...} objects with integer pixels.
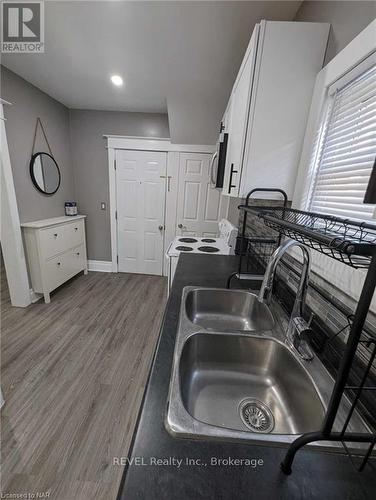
[
  {"x": 348, "y": 241},
  {"x": 255, "y": 250},
  {"x": 353, "y": 243}
]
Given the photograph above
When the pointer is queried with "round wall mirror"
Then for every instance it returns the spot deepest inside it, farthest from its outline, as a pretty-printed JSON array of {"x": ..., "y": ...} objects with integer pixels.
[{"x": 45, "y": 173}]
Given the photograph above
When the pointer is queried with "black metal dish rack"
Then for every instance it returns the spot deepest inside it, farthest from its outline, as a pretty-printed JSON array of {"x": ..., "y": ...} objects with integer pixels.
[
  {"x": 255, "y": 250},
  {"x": 345, "y": 240},
  {"x": 352, "y": 243}
]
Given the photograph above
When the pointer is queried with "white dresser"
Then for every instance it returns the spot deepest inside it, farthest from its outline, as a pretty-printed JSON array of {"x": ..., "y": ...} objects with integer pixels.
[{"x": 56, "y": 251}]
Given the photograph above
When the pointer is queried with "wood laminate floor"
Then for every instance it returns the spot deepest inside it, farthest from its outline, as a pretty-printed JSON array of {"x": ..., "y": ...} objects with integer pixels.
[{"x": 73, "y": 376}]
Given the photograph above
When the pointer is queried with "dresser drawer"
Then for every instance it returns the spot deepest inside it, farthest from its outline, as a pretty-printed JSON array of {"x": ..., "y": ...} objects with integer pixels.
[
  {"x": 59, "y": 269},
  {"x": 75, "y": 233},
  {"x": 58, "y": 239}
]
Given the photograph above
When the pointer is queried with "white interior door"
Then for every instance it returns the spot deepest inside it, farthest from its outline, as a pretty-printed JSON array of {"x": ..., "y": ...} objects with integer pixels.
[
  {"x": 200, "y": 206},
  {"x": 140, "y": 199}
]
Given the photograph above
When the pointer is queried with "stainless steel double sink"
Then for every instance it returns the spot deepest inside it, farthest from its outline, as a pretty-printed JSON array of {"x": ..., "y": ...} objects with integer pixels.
[{"x": 235, "y": 378}]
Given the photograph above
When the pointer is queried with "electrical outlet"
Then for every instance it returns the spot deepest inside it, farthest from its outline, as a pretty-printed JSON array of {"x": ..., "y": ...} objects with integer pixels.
[{"x": 103, "y": 205}]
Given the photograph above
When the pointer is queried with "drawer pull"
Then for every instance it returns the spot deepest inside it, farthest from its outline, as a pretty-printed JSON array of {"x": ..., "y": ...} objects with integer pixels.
[
  {"x": 55, "y": 235},
  {"x": 59, "y": 263},
  {"x": 76, "y": 228},
  {"x": 78, "y": 253}
]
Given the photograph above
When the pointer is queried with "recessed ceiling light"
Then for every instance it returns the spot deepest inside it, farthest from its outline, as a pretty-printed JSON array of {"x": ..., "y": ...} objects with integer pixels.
[{"x": 117, "y": 80}]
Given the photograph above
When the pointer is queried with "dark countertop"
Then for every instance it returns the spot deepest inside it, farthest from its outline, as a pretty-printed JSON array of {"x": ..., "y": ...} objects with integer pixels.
[{"x": 316, "y": 474}]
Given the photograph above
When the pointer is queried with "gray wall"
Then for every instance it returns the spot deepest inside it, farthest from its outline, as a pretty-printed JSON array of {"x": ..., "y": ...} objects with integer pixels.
[
  {"x": 29, "y": 103},
  {"x": 348, "y": 19},
  {"x": 91, "y": 166}
]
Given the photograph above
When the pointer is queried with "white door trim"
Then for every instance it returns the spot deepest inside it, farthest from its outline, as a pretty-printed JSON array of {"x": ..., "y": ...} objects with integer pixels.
[
  {"x": 154, "y": 144},
  {"x": 11, "y": 238},
  {"x": 146, "y": 144},
  {"x": 113, "y": 228}
]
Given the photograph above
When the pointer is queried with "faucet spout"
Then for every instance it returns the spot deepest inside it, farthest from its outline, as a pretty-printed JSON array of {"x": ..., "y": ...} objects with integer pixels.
[{"x": 266, "y": 290}]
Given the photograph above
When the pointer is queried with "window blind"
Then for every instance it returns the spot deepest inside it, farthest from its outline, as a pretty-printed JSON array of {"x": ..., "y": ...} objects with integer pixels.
[{"x": 347, "y": 151}]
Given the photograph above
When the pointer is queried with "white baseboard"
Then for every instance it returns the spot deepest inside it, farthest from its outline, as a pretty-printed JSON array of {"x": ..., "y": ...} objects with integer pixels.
[{"x": 102, "y": 266}]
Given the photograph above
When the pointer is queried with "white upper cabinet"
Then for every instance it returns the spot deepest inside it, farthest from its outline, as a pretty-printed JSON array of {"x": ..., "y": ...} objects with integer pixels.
[
  {"x": 269, "y": 105},
  {"x": 238, "y": 115}
]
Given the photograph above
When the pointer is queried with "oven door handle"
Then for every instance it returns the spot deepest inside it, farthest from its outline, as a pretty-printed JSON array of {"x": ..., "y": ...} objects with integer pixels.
[{"x": 211, "y": 169}]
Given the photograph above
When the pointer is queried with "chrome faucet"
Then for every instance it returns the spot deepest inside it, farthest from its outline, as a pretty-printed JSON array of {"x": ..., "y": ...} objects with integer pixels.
[{"x": 298, "y": 329}]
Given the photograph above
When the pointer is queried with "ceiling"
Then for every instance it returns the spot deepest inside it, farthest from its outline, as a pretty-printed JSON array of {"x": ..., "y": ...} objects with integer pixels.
[{"x": 175, "y": 57}]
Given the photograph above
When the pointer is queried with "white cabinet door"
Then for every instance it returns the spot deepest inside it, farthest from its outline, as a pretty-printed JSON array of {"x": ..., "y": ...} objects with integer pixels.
[
  {"x": 200, "y": 206},
  {"x": 140, "y": 199},
  {"x": 292, "y": 55},
  {"x": 238, "y": 119}
]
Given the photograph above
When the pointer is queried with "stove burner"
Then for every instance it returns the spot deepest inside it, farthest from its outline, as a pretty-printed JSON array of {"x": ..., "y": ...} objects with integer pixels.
[
  {"x": 208, "y": 240},
  {"x": 188, "y": 240},
  {"x": 208, "y": 249},
  {"x": 183, "y": 248}
]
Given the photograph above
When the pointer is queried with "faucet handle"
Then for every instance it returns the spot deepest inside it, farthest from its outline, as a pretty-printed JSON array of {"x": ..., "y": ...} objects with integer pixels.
[
  {"x": 301, "y": 326},
  {"x": 300, "y": 338}
]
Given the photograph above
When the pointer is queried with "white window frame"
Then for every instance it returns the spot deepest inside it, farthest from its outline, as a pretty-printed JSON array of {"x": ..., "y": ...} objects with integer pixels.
[
  {"x": 358, "y": 50},
  {"x": 363, "y": 46}
]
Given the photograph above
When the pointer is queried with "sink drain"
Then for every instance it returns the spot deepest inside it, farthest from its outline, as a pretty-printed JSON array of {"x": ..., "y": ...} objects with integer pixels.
[{"x": 256, "y": 415}]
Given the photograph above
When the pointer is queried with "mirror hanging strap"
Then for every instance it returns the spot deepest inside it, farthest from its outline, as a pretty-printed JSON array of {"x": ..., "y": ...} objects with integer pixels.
[{"x": 39, "y": 122}]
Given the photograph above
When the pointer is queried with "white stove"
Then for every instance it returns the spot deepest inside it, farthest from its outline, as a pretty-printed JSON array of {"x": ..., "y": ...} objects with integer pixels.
[{"x": 223, "y": 245}]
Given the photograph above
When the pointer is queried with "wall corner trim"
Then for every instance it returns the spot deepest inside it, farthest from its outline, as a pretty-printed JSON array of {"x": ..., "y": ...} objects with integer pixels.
[
  {"x": 34, "y": 296},
  {"x": 102, "y": 266}
]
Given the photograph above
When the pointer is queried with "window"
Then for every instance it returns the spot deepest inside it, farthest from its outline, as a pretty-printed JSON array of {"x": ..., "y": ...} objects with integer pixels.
[{"x": 346, "y": 149}]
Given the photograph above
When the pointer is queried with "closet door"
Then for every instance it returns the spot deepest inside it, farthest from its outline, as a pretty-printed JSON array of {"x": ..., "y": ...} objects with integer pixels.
[
  {"x": 140, "y": 200},
  {"x": 200, "y": 205}
]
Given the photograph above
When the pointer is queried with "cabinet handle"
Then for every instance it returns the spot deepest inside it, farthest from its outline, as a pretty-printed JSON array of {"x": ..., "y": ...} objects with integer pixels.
[{"x": 232, "y": 171}]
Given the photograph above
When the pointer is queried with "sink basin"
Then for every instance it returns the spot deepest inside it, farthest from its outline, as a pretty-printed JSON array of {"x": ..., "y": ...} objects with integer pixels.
[
  {"x": 247, "y": 383},
  {"x": 234, "y": 378},
  {"x": 227, "y": 310}
]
